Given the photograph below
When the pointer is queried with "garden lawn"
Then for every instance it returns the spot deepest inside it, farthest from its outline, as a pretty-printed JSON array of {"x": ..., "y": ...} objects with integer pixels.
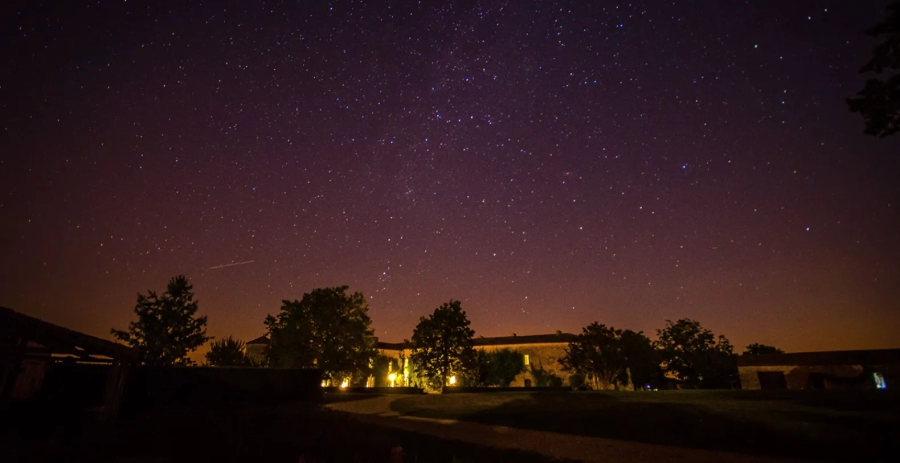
[{"x": 817, "y": 425}]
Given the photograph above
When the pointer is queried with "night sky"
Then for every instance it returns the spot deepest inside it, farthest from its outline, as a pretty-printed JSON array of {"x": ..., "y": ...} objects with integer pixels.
[{"x": 548, "y": 163}]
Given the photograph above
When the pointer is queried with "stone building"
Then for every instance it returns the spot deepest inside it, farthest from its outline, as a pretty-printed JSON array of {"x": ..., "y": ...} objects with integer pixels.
[
  {"x": 852, "y": 369},
  {"x": 540, "y": 351},
  {"x": 255, "y": 350}
]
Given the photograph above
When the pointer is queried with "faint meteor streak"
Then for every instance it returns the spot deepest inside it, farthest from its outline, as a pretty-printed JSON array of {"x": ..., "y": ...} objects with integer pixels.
[{"x": 231, "y": 265}]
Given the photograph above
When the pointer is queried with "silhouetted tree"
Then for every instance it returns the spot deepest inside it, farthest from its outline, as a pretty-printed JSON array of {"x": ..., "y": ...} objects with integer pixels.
[
  {"x": 498, "y": 368},
  {"x": 642, "y": 359},
  {"x": 599, "y": 355},
  {"x": 692, "y": 354},
  {"x": 721, "y": 372},
  {"x": 442, "y": 342},
  {"x": 762, "y": 349},
  {"x": 327, "y": 329},
  {"x": 166, "y": 330},
  {"x": 879, "y": 101},
  {"x": 227, "y": 352}
]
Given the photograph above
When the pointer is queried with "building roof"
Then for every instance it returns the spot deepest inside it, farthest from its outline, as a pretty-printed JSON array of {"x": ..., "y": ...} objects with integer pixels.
[
  {"x": 527, "y": 339},
  {"x": 260, "y": 340},
  {"x": 391, "y": 345},
  {"x": 841, "y": 357},
  {"x": 47, "y": 338},
  {"x": 500, "y": 340}
]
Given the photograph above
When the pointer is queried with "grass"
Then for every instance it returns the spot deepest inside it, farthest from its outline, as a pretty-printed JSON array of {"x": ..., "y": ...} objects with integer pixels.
[
  {"x": 271, "y": 433},
  {"x": 837, "y": 426}
]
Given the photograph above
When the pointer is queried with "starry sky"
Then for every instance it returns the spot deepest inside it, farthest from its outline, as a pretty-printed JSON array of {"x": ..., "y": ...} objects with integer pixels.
[{"x": 548, "y": 163}]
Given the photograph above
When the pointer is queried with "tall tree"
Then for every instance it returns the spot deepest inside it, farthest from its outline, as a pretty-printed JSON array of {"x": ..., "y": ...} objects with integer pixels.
[
  {"x": 498, "y": 368},
  {"x": 598, "y": 354},
  {"x": 879, "y": 101},
  {"x": 721, "y": 372},
  {"x": 227, "y": 352},
  {"x": 167, "y": 328},
  {"x": 442, "y": 342},
  {"x": 762, "y": 349},
  {"x": 327, "y": 329},
  {"x": 642, "y": 359},
  {"x": 692, "y": 354}
]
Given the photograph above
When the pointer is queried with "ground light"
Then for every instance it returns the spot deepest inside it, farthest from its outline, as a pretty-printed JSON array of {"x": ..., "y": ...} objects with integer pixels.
[
  {"x": 880, "y": 383},
  {"x": 392, "y": 377},
  {"x": 452, "y": 380}
]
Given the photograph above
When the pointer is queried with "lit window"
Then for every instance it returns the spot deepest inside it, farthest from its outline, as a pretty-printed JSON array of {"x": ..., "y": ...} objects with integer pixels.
[
  {"x": 527, "y": 360},
  {"x": 880, "y": 383}
]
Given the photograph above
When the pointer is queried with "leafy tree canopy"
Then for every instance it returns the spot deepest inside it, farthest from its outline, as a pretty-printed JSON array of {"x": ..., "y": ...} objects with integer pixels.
[
  {"x": 762, "y": 349},
  {"x": 879, "y": 101},
  {"x": 642, "y": 358},
  {"x": 167, "y": 328},
  {"x": 598, "y": 354},
  {"x": 442, "y": 342},
  {"x": 692, "y": 354},
  {"x": 227, "y": 352},
  {"x": 327, "y": 329},
  {"x": 498, "y": 368}
]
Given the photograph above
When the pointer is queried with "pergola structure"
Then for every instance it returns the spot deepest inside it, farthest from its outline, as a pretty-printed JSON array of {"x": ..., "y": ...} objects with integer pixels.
[{"x": 23, "y": 337}]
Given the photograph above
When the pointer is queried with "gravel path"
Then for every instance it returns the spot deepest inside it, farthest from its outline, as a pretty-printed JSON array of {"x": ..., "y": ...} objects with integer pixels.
[{"x": 377, "y": 410}]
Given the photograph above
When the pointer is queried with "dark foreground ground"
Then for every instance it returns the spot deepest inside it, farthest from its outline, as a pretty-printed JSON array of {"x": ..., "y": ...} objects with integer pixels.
[
  {"x": 824, "y": 426},
  {"x": 269, "y": 433},
  {"x": 810, "y": 425}
]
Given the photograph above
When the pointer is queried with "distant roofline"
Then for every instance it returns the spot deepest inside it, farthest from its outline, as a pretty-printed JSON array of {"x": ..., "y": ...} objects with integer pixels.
[
  {"x": 58, "y": 339},
  {"x": 264, "y": 339},
  {"x": 837, "y": 357},
  {"x": 491, "y": 341},
  {"x": 501, "y": 340},
  {"x": 391, "y": 345}
]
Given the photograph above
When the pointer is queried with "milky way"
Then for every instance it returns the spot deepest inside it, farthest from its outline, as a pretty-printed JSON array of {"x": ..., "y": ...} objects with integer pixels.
[{"x": 548, "y": 163}]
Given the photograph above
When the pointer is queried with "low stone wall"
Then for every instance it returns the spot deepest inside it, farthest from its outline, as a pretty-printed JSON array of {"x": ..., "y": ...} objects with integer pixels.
[
  {"x": 373, "y": 390},
  {"x": 72, "y": 386},
  {"x": 467, "y": 390},
  {"x": 798, "y": 377},
  {"x": 189, "y": 387}
]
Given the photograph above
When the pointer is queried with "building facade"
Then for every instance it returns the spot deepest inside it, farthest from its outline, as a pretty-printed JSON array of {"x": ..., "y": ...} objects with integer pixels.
[
  {"x": 255, "y": 350},
  {"x": 855, "y": 369},
  {"x": 540, "y": 354}
]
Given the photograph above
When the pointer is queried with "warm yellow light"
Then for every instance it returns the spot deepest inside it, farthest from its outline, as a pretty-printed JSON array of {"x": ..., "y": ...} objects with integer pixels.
[
  {"x": 392, "y": 377},
  {"x": 324, "y": 383},
  {"x": 345, "y": 384},
  {"x": 452, "y": 380}
]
